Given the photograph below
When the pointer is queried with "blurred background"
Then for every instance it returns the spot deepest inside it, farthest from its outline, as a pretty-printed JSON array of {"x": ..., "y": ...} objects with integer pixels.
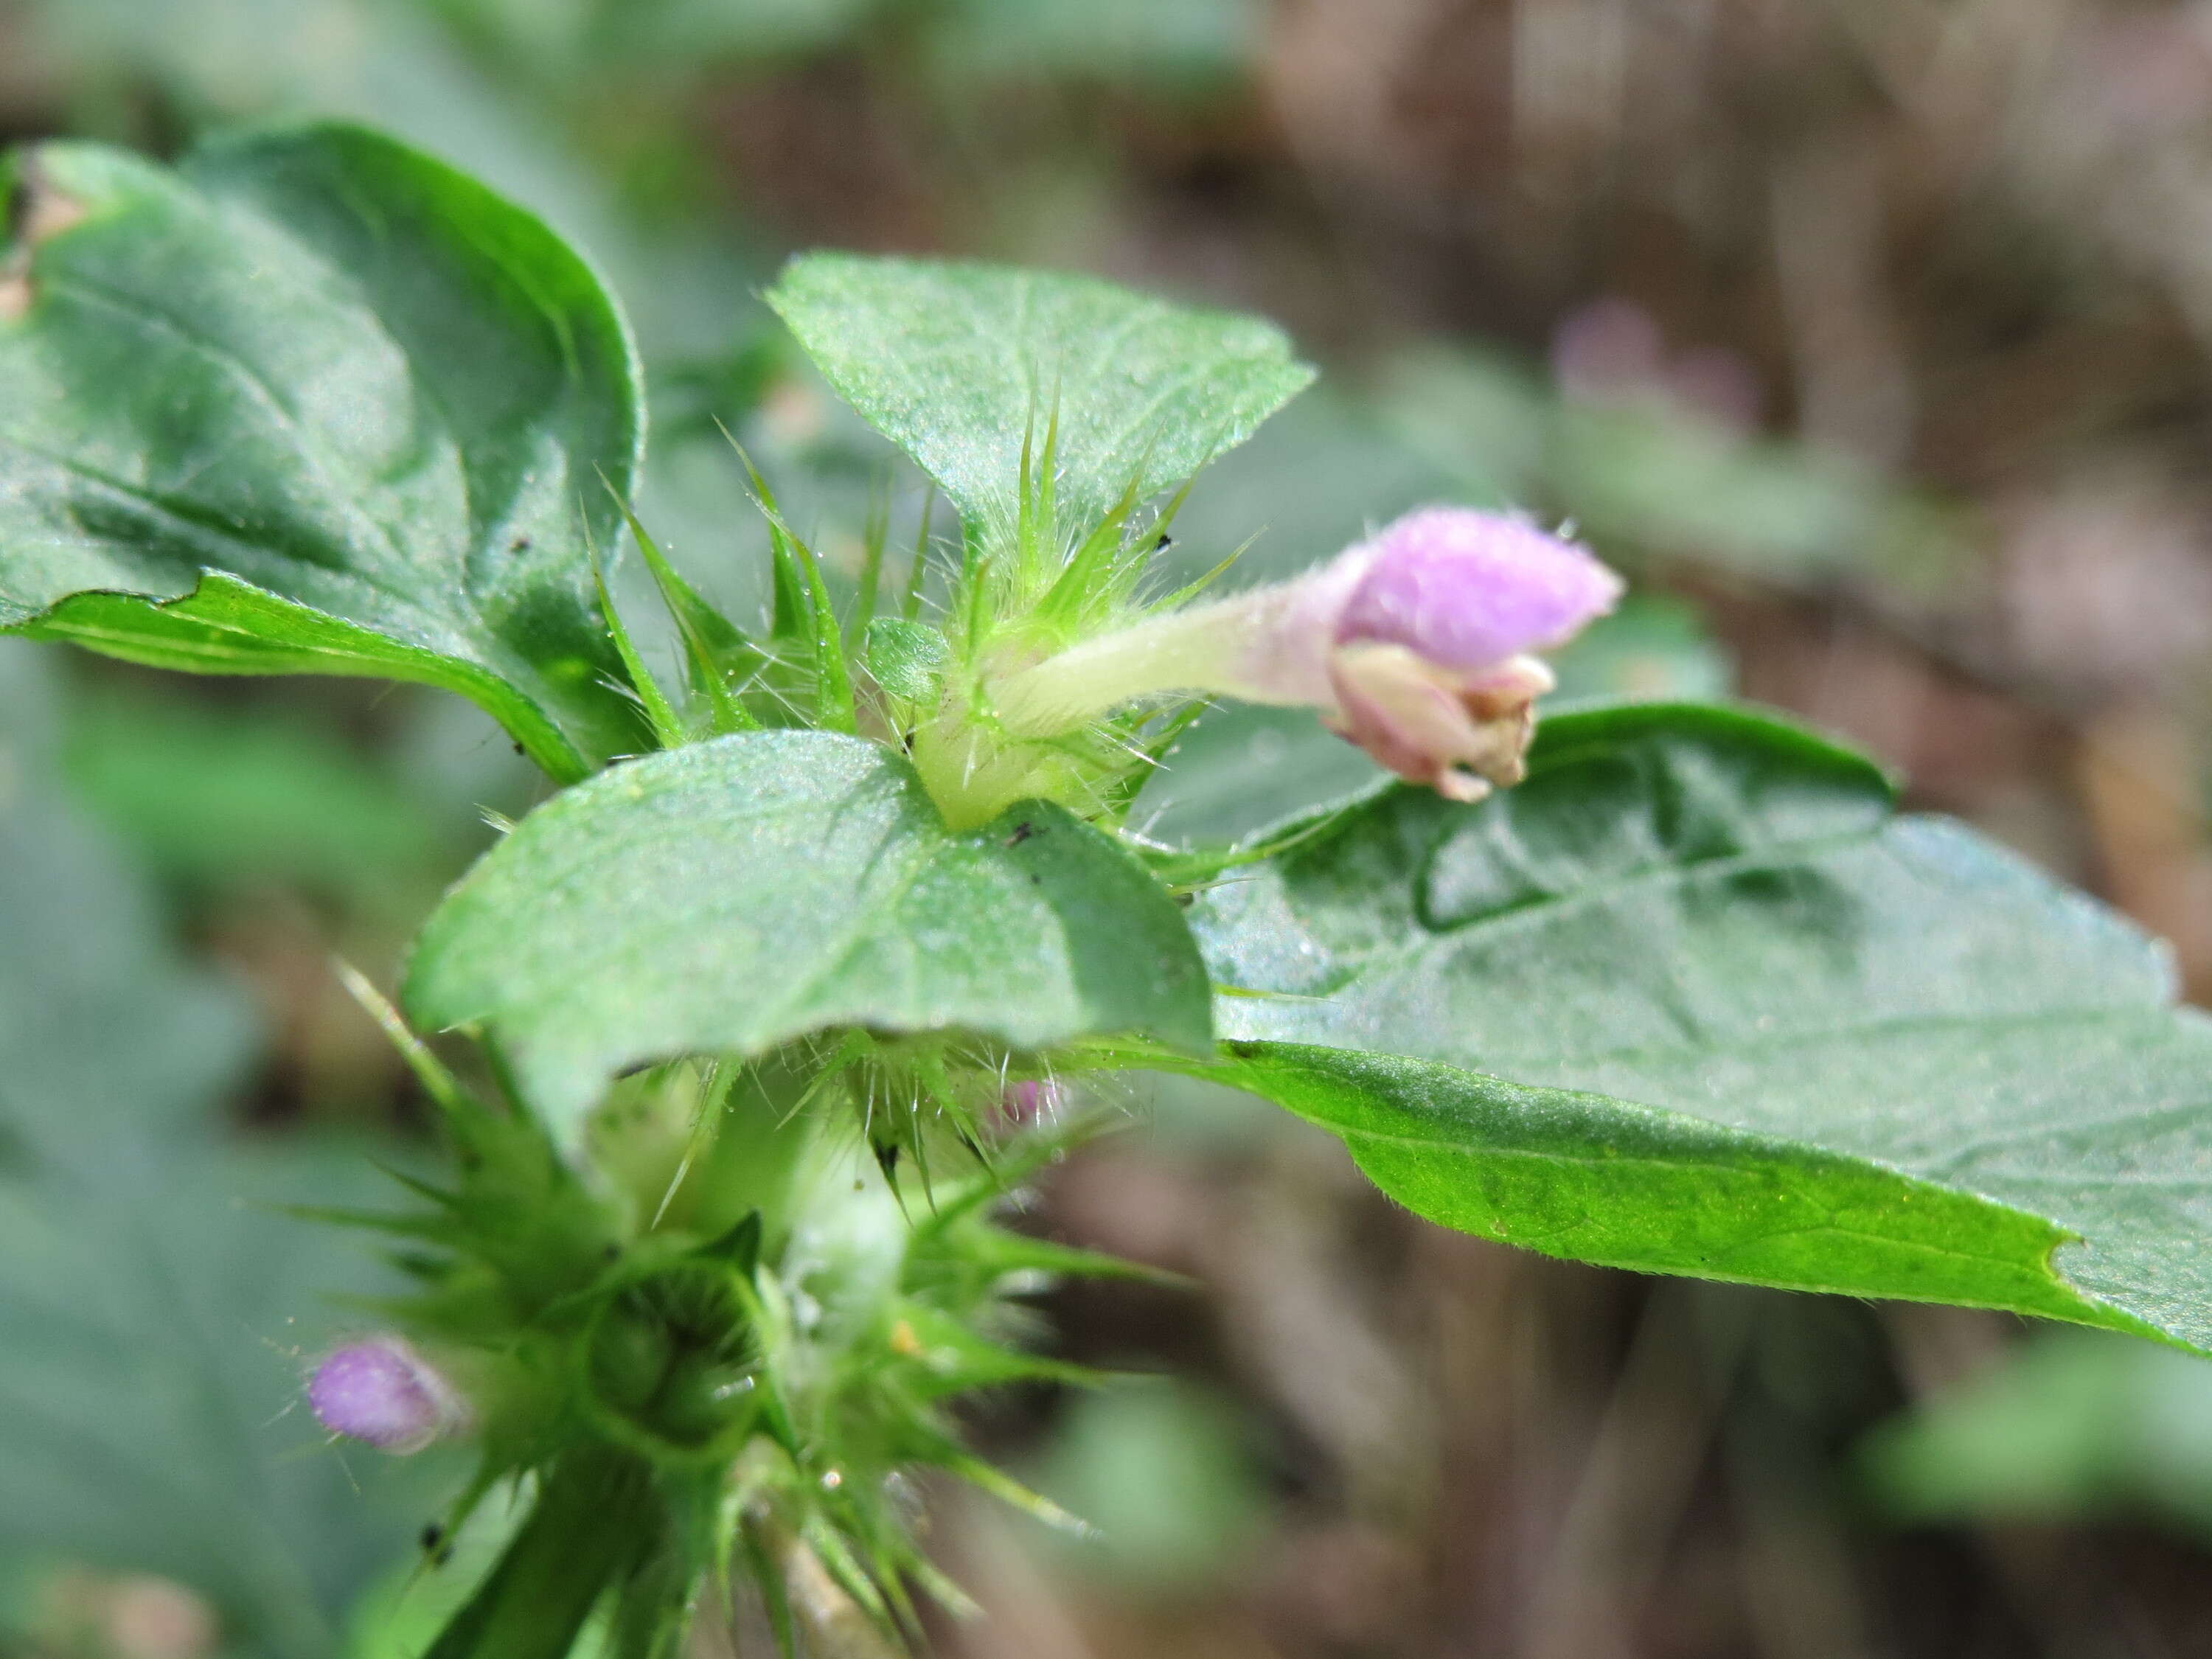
[{"x": 1872, "y": 336}]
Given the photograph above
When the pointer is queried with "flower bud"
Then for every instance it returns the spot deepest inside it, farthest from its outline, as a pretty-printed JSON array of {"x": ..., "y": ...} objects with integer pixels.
[
  {"x": 379, "y": 1390},
  {"x": 1430, "y": 672},
  {"x": 1413, "y": 644},
  {"x": 1028, "y": 1102}
]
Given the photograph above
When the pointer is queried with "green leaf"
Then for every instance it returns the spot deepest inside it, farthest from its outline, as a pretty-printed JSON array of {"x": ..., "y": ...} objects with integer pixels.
[
  {"x": 715, "y": 650},
  {"x": 962, "y": 366},
  {"x": 736, "y": 893},
  {"x": 1692, "y": 999},
  {"x": 314, "y": 403}
]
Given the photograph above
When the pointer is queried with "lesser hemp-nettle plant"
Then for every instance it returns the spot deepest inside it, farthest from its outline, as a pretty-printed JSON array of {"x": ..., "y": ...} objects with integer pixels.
[{"x": 746, "y": 1034}]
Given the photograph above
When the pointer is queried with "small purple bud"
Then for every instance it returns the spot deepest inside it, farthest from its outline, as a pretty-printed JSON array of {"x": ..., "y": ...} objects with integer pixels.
[
  {"x": 1466, "y": 590},
  {"x": 379, "y": 1390},
  {"x": 1030, "y": 1101}
]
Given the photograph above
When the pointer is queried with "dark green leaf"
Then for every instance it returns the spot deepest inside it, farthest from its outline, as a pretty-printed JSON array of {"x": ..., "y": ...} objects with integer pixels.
[
  {"x": 964, "y": 366},
  {"x": 1692, "y": 1000},
  {"x": 314, "y": 403},
  {"x": 738, "y": 894}
]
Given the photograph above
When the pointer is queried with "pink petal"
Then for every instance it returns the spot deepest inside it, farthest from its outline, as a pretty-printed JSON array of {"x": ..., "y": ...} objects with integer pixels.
[{"x": 1466, "y": 590}]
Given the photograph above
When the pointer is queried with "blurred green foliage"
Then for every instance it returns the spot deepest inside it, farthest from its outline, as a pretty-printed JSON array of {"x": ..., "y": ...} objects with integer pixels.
[
  {"x": 158, "y": 1306},
  {"x": 2071, "y": 1425},
  {"x": 247, "y": 795},
  {"x": 1167, "y": 1475}
]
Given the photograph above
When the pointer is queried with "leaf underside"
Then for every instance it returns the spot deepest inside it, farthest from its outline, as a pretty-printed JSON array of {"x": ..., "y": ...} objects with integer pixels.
[
  {"x": 966, "y": 366},
  {"x": 377, "y": 398},
  {"x": 1693, "y": 999},
  {"x": 739, "y": 894}
]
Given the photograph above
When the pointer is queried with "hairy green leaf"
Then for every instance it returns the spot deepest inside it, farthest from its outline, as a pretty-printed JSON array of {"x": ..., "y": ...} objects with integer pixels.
[
  {"x": 740, "y": 893},
  {"x": 969, "y": 368},
  {"x": 314, "y": 403},
  {"x": 907, "y": 659},
  {"x": 1692, "y": 999}
]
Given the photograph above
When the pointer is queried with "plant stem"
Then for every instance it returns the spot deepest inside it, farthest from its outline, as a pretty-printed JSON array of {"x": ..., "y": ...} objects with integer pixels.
[{"x": 593, "y": 1522}]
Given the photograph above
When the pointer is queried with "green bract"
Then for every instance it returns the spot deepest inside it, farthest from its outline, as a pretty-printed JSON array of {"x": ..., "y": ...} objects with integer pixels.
[
  {"x": 1720, "y": 1012},
  {"x": 736, "y": 893},
  {"x": 314, "y": 403}
]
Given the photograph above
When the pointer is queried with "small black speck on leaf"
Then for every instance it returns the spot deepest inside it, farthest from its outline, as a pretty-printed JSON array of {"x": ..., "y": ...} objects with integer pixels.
[
  {"x": 1023, "y": 832},
  {"x": 432, "y": 1535},
  {"x": 519, "y": 544}
]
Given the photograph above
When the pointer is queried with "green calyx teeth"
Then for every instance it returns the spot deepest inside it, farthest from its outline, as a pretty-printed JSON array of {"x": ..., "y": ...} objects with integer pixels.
[{"x": 678, "y": 1385}]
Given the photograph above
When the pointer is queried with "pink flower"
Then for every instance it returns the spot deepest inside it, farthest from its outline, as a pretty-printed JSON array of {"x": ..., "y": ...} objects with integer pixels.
[
  {"x": 380, "y": 1391},
  {"x": 1413, "y": 644},
  {"x": 1429, "y": 665}
]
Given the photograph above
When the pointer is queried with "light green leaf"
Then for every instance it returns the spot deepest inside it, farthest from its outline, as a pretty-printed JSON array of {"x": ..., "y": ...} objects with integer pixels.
[
  {"x": 1692, "y": 1000},
  {"x": 961, "y": 365},
  {"x": 738, "y": 894},
  {"x": 314, "y": 403},
  {"x": 907, "y": 659}
]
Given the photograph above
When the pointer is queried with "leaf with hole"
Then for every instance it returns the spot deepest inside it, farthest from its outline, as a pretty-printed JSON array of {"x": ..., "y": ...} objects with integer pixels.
[{"x": 313, "y": 402}]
